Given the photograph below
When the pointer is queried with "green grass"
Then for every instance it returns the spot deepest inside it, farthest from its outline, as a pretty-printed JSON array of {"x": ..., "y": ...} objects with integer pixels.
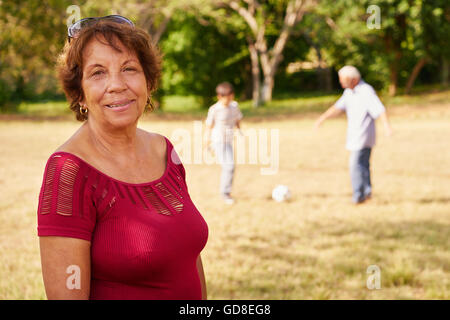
[
  {"x": 302, "y": 103},
  {"x": 182, "y": 105},
  {"x": 281, "y": 105},
  {"x": 43, "y": 109}
]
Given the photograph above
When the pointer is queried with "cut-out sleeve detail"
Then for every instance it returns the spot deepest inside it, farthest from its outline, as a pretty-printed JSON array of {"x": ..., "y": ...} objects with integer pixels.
[
  {"x": 65, "y": 204},
  {"x": 175, "y": 160},
  {"x": 165, "y": 196}
]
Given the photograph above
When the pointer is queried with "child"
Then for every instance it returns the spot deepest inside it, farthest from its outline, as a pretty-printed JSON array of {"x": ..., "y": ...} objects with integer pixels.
[{"x": 221, "y": 120}]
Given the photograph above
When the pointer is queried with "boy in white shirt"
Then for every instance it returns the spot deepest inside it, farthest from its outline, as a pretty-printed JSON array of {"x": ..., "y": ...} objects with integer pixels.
[{"x": 222, "y": 117}]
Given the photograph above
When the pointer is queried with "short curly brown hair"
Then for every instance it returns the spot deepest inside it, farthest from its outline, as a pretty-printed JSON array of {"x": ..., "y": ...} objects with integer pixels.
[{"x": 135, "y": 39}]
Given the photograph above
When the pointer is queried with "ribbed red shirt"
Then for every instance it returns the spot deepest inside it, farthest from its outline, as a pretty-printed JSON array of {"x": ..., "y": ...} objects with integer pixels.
[{"x": 145, "y": 238}]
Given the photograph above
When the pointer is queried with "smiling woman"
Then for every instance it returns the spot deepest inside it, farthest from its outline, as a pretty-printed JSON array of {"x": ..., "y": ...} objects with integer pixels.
[
  {"x": 115, "y": 90},
  {"x": 120, "y": 38},
  {"x": 114, "y": 205}
]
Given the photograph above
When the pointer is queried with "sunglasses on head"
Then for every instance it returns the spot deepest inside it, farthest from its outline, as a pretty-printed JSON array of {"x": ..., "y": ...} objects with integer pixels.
[{"x": 74, "y": 30}]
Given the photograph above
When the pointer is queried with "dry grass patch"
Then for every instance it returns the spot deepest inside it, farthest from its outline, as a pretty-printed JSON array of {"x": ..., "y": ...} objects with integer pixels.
[{"x": 318, "y": 246}]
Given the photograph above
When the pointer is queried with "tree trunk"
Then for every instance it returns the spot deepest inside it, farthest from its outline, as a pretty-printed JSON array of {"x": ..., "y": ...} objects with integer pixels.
[
  {"x": 445, "y": 72},
  {"x": 393, "y": 79},
  {"x": 394, "y": 52},
  {"x": 415, "y": 72},
  {"x": 392, "y": 89},
  {"x": 267, "y": 88},
  {"x": 328, "y": 79},
  {"x": 256, "y": 97},
  {"x": 258, "y": 46},
  {"x": 324, "y": 74},
  {"x": 157, "y": 34}
]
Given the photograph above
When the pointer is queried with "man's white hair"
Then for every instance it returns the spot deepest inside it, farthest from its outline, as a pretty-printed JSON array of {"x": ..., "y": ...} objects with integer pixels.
[{"x": 349, "y": 72}]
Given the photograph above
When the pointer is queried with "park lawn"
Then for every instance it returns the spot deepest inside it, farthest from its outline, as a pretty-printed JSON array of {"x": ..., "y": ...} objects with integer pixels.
[
  {"x": 282, "y": 106},
  {"x": 317, "y": 246},
  {"x": 189, "y": 107}
]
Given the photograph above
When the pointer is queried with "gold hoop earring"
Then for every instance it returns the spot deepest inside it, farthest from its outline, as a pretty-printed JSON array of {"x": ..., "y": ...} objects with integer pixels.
[
  {"x": 150, "y": 104},
  {"x": 83, "y": 111}
]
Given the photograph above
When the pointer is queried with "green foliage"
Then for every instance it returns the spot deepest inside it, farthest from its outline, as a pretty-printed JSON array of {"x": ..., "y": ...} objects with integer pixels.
[
  {"x": 197, "y": 57},
  {"x": 409, "y": 30},
  {"x": 33, "y": 33},
  {"x": 205, "y": 44},
  {"x": 5, "y": 92}
]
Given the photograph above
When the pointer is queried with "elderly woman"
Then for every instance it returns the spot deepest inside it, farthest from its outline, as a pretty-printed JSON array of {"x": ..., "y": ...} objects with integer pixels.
[{"x": 115, "y": 219}]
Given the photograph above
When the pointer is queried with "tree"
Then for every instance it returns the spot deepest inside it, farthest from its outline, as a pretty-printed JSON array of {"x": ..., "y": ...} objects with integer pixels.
[
  {"x": 410, "y": 35},
  {"x": 430, "y": 38},
  {"x": 197, "y": 56},
  {"x": 33, "y": 33},
  {"x": 153, "y": 16},
  {"x": 266, "y": 37}
]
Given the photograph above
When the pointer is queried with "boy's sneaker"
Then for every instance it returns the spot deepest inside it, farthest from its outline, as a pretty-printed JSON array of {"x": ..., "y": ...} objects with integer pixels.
[{"x": 228, "y": 199}]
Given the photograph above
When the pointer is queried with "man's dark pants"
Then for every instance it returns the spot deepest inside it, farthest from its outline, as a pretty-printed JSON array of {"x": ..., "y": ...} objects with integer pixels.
[{"x": 360, "y": 174}]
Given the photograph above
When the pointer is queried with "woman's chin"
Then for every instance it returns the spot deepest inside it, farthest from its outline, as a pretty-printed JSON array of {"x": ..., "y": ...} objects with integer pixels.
[{"x": 123, "y": 120}]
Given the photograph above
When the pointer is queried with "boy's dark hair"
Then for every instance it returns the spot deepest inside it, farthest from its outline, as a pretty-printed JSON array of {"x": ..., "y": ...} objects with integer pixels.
[{"x": 224, "y": 89}]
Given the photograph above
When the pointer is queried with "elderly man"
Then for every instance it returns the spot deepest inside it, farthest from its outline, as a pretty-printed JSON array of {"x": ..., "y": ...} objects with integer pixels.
[{"x": 362, "y": 106}]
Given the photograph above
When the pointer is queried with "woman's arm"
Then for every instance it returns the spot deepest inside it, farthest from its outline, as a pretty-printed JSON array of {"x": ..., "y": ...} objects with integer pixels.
[
  {"x": 66, "y": 267},
  {"x": 201, "y": 275}
]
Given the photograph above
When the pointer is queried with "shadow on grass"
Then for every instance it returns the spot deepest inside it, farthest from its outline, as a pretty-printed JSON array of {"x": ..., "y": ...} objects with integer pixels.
[
  {"x": 434, "y": 200},
  {"x": 403, "y": 250}
]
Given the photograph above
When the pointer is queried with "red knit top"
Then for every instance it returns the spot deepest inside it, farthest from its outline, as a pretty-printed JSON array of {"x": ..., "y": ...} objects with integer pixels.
[{"x": 145, "y": 238}]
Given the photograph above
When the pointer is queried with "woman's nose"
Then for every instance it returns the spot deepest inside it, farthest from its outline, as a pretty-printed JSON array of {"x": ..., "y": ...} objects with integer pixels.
[{"x": 116, "y": 82}]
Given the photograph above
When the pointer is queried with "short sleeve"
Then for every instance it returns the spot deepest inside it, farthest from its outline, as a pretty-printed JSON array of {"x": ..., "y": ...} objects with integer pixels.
[
  {"x": 237, "y": 113},
  {"x": 176, "y": 160},
  {"x": 340, "y": 104},
  {"x": 210, "y": 118},
  {"x": 374, "y": 105},
  {"x": 65, "y": 207}
]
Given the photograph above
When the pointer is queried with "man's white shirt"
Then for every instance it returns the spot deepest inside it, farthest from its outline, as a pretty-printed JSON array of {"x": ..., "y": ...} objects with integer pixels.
[{"x": 362, "y": 107}]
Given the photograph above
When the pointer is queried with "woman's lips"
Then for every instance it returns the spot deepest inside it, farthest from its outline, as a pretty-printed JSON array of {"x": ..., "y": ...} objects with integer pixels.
[{"x": 119, "y": 105}]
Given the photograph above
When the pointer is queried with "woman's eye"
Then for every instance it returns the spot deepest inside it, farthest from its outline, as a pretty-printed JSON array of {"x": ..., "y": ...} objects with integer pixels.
[
  {"x": 97, "y": 73},
  {"x": 130, "y": 69}
]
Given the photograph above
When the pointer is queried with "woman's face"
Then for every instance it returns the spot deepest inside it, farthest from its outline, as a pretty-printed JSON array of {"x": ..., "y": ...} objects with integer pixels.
[{"x": 114, "y": 85}]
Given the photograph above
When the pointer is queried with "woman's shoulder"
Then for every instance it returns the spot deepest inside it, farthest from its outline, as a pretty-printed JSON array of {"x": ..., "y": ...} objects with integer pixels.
[
  {"x": 77, "y": 145},
  {"x": 69, "y": 147},
  {"x": 158, "y": 142},
  {"x": 67, "y": 155}
]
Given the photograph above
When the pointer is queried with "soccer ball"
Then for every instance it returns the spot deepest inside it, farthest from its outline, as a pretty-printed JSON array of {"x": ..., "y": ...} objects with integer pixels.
[{"x": 281, "y": 193}]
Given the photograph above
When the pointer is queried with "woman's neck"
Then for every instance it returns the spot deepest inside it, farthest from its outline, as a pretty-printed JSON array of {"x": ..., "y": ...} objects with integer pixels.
[{"x": 113, "y": 143}]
